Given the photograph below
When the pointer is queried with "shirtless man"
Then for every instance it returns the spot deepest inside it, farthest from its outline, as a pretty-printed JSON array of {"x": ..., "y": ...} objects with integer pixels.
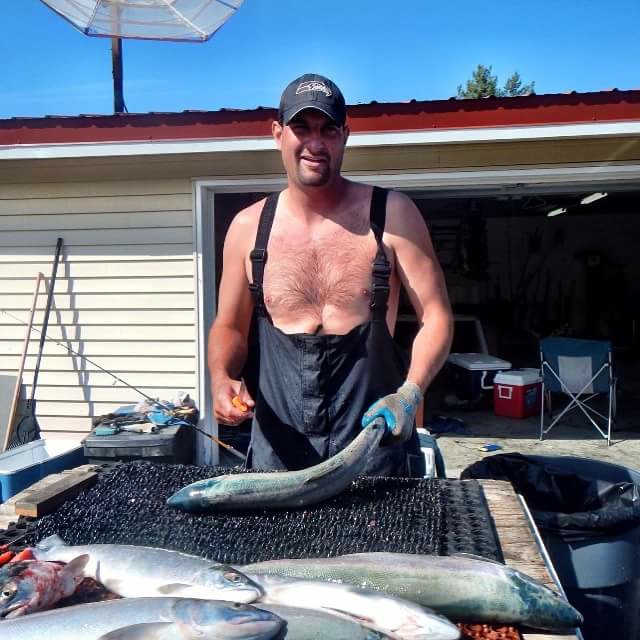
[{"x": 322, "y": 264}]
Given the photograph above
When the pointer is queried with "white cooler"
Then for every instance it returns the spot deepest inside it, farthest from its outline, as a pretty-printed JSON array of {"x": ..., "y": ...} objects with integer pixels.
[{"x": 471, "y": 374}]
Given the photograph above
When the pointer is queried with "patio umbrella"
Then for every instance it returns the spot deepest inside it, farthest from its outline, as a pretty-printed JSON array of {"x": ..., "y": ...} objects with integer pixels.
[{"x": 175, "y": 20}]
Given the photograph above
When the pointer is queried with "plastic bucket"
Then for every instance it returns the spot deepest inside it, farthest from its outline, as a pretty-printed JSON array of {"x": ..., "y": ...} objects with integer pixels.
[
  {"x": 588, "y": 515},
  {"x": 600, "y": 574}
]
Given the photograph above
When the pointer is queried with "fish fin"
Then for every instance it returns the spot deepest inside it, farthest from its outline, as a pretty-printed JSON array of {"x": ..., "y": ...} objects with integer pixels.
[
  {"x": 173, "y": 589},
  {"x": 46, "y": 544},
  {"x": 473, "y": 556},
  {"x": 374, "y": 632},
  {"x": 350, "y": 615},
  {"x": 141, "y": 631},
  {"x": 314, "y": 475},
  {"x": 76, "y": 566}
]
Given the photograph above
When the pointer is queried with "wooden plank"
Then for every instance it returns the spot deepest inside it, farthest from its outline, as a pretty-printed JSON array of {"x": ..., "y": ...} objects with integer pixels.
[
  {"x": 95, "y": 237},
  {"x": 114, "y": 331},
  {"x": 86, "y": 317},
  {"x": 167, "y": 284},
  {"x": 71, "y": 221},
  {"x": 99, "y": 204},
  {"x": 119, "y": 393},
  {"x": 83, "y": 409},
  {"x": 86, "y": 189},
  {"x": 97, "y": 253},
  {"x": 92, "y": 349},
  {"x": 64, "y": 426},
  {"x": 107, "y": 269},
  {"x": 132, "y": 301},
  {"x": 44, "y": 501},
  {"x": 518, "y": 543},
  {"x": 7, "y": 390},
  {"x": 97, "y": 379},
  {"x": 118, "y": 364},
  {"x": 64, "y": 434}
]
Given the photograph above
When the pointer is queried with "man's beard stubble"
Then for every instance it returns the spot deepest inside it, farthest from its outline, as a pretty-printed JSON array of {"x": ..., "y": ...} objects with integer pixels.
[{"x": 316, "y": 178}]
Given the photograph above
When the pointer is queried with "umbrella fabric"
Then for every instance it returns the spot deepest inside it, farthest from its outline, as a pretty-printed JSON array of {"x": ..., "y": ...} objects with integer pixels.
[{"x": 191, "y": 20}]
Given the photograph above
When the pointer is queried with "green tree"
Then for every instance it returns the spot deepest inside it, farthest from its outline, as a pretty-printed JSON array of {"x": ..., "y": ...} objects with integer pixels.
[
  {"x": 483, "y": 84},
  {"x": 514, "y": 87}
]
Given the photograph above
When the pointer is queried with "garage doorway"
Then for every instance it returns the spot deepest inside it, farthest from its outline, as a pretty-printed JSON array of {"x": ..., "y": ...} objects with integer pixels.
[{"x": 519, "y": 251}]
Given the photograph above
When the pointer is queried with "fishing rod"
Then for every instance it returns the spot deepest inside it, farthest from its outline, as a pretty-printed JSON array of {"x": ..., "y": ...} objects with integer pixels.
[{"x": 126, "y": 384}]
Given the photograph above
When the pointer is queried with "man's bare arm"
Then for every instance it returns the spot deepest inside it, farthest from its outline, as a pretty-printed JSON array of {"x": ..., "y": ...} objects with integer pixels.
[
  {"x": 422, "y": 277},
  {"x": 227, "y": 349}
]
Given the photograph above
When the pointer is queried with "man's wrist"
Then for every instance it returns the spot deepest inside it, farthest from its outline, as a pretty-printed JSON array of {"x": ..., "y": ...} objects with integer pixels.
[{"x": 411, "y": 392}]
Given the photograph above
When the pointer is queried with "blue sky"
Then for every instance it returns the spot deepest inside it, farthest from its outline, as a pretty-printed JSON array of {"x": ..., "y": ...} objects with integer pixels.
[{"x": 374, "y": 50}]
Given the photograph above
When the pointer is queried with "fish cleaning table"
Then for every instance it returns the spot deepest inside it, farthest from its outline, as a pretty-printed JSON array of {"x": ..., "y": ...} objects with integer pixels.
[
  {"x": 127, "y": 505},
  {"x": 521, "y": 546}
]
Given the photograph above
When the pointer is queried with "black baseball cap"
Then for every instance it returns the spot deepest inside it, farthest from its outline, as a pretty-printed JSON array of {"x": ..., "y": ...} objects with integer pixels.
[{"x": 312, "y": 91}]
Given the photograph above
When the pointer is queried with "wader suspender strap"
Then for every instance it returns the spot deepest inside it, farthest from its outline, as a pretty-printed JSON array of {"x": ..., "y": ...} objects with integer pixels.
[
  {"x": 259, "y": 254},
  {"x": 381, "y": 267}
]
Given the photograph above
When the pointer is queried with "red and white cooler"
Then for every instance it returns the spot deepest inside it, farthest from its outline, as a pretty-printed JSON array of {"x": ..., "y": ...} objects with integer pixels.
[{"x": 516, "y": 393}]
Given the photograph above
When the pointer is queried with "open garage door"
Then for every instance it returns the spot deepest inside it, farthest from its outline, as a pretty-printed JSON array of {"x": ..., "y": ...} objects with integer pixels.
[{"x": 526, "y": 254}]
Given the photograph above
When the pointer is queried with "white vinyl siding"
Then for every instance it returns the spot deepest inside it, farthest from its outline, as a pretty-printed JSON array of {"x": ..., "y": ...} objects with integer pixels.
[{"x": 124, "y": 294}]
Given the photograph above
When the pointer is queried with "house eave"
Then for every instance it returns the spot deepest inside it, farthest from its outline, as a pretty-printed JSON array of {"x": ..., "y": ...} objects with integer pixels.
[{"x": 585, "y": 130}]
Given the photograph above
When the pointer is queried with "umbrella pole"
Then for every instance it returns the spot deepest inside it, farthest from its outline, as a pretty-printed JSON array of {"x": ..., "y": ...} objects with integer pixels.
[{"x": 116, "y": 59}]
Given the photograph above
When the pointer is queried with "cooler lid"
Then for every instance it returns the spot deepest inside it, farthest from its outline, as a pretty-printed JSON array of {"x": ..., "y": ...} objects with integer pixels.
[
  {"x": 131, "y": 440},
  {"x": 518, "y": 377},
  {"x": 478, "y": 361}
]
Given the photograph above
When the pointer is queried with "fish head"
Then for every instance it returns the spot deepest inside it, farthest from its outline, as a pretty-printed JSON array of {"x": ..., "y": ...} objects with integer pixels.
[
  {"x": 200, "y": 496},
  {"x": 18, "y": 592},
  {"x": 226, "y": 583},
  {"x": 213, "y": 619}
]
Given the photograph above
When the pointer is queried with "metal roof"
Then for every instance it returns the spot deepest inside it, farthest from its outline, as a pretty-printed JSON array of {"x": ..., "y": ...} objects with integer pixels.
[{"x": 547, "y": 109}]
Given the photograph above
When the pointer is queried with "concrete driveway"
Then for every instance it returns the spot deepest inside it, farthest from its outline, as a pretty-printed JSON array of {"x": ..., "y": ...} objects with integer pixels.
[{"x": 575, "y": 437}]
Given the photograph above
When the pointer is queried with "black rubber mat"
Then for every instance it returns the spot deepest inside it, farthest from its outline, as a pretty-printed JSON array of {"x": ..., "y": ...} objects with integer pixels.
[{"x": 127, "y": 506}]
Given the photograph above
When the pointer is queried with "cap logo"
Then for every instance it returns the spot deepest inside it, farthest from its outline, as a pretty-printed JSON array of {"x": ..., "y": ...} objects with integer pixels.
[{"x": 313, "y": 85}]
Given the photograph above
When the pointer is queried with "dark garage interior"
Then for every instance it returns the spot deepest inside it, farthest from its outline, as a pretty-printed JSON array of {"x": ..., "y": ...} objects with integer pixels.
[{"x": 524, "y": 266}]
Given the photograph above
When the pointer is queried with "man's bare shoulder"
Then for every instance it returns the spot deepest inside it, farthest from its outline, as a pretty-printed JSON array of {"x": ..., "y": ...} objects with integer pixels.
[
  {"x": 249, "y": 216},
  {"x": 243, "y": 227},
  {"x": 403, "y": 217}
]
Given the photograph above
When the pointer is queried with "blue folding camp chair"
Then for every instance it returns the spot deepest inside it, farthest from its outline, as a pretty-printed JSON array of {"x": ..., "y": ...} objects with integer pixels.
[{"x": 583, "y": 370}]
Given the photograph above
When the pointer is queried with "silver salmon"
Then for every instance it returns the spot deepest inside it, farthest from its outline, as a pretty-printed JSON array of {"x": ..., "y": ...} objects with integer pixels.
[
  {"x": 309, "y": 624},
  {"x": 285, "y": 489},
  {"x": 395, "y": 617},
  {"x": 461, "y": 588},
  {"x": 139, "y": 618},
  {"x": 32, "y": 585},
  {"x": 132, "y": 571}
]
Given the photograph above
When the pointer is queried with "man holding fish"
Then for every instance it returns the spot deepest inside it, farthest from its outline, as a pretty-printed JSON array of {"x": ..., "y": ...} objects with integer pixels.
[{"x": 321, "y": 264}]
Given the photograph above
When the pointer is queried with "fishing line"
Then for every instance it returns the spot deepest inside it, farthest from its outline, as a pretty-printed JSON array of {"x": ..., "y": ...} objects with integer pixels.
[
  {"x": 126, "y": 384},
  {"x": 95, "y": 364}
]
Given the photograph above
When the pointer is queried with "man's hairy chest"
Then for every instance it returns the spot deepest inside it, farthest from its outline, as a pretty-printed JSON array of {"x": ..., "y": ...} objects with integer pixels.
[{"x": 306, "y": 275}]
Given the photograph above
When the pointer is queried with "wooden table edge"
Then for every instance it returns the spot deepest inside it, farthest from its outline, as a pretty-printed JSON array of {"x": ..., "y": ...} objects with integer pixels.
[{"x": 510, "y": 515}]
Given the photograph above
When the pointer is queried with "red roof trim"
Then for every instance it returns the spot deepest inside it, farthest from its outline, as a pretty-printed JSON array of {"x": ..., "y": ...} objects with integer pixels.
[{"x": 603, "y": 106}]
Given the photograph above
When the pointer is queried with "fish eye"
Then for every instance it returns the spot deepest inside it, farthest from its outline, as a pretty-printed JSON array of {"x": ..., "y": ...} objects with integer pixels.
[
  {"x": 232, "y": 576},
  {"x": 7, "y": 592}
]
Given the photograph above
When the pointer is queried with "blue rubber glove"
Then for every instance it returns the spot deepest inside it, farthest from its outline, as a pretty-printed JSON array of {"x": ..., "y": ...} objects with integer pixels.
[{"x": 398, "y": 410}]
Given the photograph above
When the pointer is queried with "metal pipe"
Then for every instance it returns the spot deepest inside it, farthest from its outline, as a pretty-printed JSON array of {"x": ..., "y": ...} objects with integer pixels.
[{"x": 116, "y": 62}]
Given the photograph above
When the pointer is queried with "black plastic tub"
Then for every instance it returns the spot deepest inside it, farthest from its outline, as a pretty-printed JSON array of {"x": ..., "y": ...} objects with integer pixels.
[
  {"x": 172, "y": 444},
  {"x": 588, "y": 514}
]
